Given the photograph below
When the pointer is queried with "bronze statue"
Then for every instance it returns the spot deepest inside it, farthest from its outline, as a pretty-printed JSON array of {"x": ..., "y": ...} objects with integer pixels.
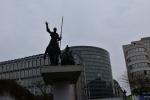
[
  {"x": 53, "y": 49},
  {"x": 67, "y": 57}
]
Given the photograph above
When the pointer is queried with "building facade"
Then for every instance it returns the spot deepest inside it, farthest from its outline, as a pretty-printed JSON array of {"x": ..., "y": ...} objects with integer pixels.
[
  {"x": 97, "y": 71},
  {"x": 137, "y": 58},
  {"x": 27, "y": 72},
  {"x": 118, "y": 92}
]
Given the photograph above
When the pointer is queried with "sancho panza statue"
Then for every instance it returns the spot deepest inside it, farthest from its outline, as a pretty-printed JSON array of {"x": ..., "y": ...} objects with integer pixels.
[{"x": 53, "y": 49}]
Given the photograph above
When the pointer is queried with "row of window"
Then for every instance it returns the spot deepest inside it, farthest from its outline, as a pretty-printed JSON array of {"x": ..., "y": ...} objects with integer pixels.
[
  {"x": 139, "y": 49},
  {"x": 98, "y": 56},
  {"x": 139, "y": 65},
  {"x": 21, "y": 74},
  {"x": 88, "y": 49},
  {"x": 140, "y": 73},
  {"x": 96, "y": 60},
  {"x": 98, "y": 63},
  {"x": 147, "y": 43},
  {"x": 96, "y": 71},
  {"x": 30, "y": 81},
  {"x": 23, "y": 65},
  {"x": 137, "y": 57},
  {"x": 107, "y": 78},
  {"x": 97, "y": 75},
  {"x": 91, "y": 53},
  {"x": 117, "y": 93},
  {"x": 102, "y": 79},
  {"x": 81, "y": 52},
  {"x": 101, "y": 96},
  {"x": 99, "y": 67}
]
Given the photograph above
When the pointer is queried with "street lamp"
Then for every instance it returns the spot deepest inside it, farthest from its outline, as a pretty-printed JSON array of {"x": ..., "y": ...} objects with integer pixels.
[
  {"x": 124, "y": 95},
  {"x": 87, "y": 92}
]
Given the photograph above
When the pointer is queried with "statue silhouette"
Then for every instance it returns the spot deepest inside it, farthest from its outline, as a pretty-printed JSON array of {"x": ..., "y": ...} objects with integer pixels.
[
  {"x": 67, "y": 57},
  {"x": 53, "y": 49}
]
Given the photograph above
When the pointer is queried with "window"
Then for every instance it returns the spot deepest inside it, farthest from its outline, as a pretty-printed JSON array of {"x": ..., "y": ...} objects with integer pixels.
[
  {"x": 139, "y": 49},
  {"x": 30, "y": 64},
  {"x": 147, "y": 43},
  {"x": 26, "y": 64},
  {"x": 15, "y": 66},
  {"x": 22, "y": 65},
  {"x": 25, "y": 82},
  {"x": 42, "y": 62},
  {"x": 30, "y": 73},
  {"x": 140, "y": 73},
  {"x": 7, "y": 76},
  {"x": 18, "y": 75},
  {"x": 38, "y": 71},
  {"x": 34, "y": 72},
  {"x": 11, "y": 67},
  {"x": 26, "y": 73},
  {"x": 19, "y": 65},
  {"x": 11, "y": 75},
  {"x": 139, "y": 65},
  {"x": 4, "y": 68},
  {"x": 3, "y": 76},
  {"x": 0, "y": 69},
  {"x": 38, "y": 62},
  {"x": 22, "y": 74},
  {"x": 46, "y": 61},
  {"x": 15, "y": 75},
  {"x": 137, "y": 57},
  {"x": 148, "y": 72},
  {"x": 34, "y": 63},
  {"x": 8, "y": 67}
]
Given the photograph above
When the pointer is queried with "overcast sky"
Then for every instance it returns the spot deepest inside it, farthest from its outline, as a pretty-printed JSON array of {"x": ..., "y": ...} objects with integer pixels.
[{"x": 107, "y": 24}]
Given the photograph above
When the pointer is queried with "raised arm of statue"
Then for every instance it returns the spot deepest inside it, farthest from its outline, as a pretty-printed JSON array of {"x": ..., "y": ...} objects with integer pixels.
[{"x": 47, "y": 28}]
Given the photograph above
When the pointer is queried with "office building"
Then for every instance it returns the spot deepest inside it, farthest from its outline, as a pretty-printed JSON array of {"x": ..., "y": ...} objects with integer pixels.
[
  {"x": 27, "y": 72},
  {"x": 97, "y": 71},
  {"x": 137, "y": 58}
]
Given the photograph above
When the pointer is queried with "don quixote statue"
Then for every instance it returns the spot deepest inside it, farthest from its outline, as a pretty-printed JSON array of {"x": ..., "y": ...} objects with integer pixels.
[{"x": 53, "y": 48}]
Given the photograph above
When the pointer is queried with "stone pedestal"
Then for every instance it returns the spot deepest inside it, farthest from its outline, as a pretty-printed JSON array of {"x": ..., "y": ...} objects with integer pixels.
[
  {"x": 61, "y": 91},
  {"x": 60, "y": 77}
]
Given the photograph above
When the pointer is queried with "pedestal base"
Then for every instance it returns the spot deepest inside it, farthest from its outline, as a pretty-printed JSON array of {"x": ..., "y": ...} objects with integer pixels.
[
  {"x": 61, "y": 91},
  {"x": 60, "y": 77},
  {"x": 69, "y": 73}
]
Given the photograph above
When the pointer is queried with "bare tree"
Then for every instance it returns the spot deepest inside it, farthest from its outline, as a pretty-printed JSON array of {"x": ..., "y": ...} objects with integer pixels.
[
  {"x": 43, "y": 88},
  {"x": 139, "y": 84}
]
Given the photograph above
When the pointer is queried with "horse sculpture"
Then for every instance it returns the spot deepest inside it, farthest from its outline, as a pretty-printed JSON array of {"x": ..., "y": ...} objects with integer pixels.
[{"x": 67, "y": 57}]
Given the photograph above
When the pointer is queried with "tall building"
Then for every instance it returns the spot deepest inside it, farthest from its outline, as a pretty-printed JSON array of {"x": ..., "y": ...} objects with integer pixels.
[
  {"x": 27, "y": 72},
  {"x": 97, "y": 71},
  {"x": 137, "y": 58}
]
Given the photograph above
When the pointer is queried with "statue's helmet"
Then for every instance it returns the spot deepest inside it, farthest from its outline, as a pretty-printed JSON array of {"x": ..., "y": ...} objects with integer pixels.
[{"x": 55, "y": 29}]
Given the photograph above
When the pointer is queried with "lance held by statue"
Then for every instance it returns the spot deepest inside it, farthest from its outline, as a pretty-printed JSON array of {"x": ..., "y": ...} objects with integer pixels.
[{"x": 53, "y": 49}]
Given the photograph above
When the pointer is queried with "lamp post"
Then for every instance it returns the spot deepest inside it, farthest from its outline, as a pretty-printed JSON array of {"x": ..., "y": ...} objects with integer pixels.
[
  {"x": 87, "y": 92},
  {"x": 124, "y": 95}
]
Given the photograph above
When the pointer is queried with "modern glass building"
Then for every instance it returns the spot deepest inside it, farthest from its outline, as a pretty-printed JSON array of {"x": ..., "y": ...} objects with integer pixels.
[{"x": 97, "y": 70}]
